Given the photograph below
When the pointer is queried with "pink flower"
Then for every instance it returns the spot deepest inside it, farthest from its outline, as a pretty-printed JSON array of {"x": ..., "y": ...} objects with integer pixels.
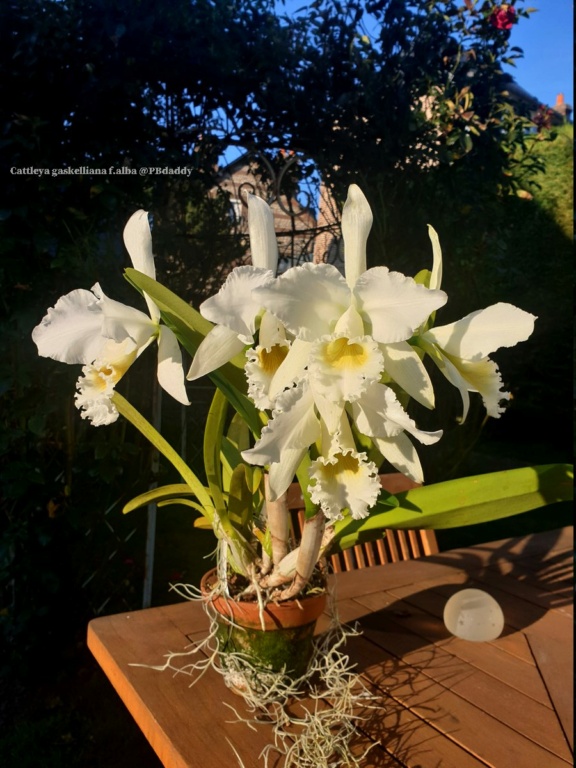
[{"x": 503, "y": 17}]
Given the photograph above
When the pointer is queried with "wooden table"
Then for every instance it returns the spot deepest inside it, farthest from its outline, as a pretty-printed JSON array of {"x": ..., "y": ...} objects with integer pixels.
[{"x": 447, "y": 703}]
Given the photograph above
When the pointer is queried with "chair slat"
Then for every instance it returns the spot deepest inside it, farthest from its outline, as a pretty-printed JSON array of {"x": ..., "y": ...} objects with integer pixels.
[{"x": 392, "y": 547}]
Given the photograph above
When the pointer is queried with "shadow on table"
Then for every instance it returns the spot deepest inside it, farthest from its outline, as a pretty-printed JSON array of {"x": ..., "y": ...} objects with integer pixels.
[
  {"x": 537, "y": 575},
  {"x": 408, "y": 655},
  {"x": 525, "y": 576},
  {"x": 406, "y": 738}
]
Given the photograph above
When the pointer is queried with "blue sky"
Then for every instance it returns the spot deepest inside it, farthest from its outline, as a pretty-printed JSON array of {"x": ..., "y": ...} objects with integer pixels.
[{"x": 547, "y": 39}]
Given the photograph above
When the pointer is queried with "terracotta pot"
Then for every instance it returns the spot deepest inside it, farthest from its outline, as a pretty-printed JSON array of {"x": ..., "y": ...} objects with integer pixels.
[{"x": 284, "y": 646}]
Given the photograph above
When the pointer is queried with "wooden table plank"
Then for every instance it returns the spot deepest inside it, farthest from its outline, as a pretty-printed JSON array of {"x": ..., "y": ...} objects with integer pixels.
[
  {"x": 167, "y": 710},
  {"x": 425, "y": 650},
  {"x": 518, "y": 673},
  {"x": 558, "y": 675},
  {"x": 479, "y": 733},
  {"x": 411, "y": 739},
  {"x": 447, "y": 703}
]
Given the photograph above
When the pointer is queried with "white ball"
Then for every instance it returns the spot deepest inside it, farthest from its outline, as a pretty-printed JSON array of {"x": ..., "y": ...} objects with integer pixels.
[{"x": 473, "y": 615}]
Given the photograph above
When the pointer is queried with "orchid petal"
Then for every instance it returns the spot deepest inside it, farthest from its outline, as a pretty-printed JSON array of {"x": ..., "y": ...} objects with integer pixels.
[
  {"x": 436, "y": 276},
  {"x": 403, "y": 365},
  {"x": 95, "y": 386},
  {"x": 400, "y": 452},
  {"x": 394, "y": 304},
  {"x": 218, "y": 347},
  {"x": 286, "y": 438},
  {"x": 480, "y": 333},
  {"x": 378, "y": 413},
  {"x": 308, "y": 299},
  {"x": 330, "y": 437},
  {"x": 480, "y": 376},
  {"x": 271, "y": 330},
  {"x": 330, "y": 411},
  {"x": 170, "y": 372},
  {"x": 484, "y": 377},
  {"x": 350, "y": 324},
  {"x": 263, "y": 363},
  {"x": 372, "y": 411},
  {"x": 345, "y": 480},
  {"x": 235, "y": 304},
  {"x": 292, "y": 367},
  {"x": 138, "y": 242},
  {"x": 336, "y": 437},
  {"x": 344, "y": 434},
  {"x": 120, "y": 321},
  {"x": 71, "y": 332},
  {"x": 293, "y": 425},
  {"x": 341, "y": 369},
  {"x": 356, "y": 225},
  {"x": 281, "y": 474},
  {"x": 451, "y": 372},
  {"x": 100, "y": 411},
  {"x": 263, "y": 245}
]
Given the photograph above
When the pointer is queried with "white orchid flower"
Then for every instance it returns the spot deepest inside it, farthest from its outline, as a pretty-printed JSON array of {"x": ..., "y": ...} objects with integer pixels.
[
  {"x": 293, "y": 428},
  {"x": 346, "y": 331},
  {"x": 264, "y": 360},
  {"x": 342, "y": 379},
  {"x": 343, "y": 478},
  {"x": 379, "y": 415},
  {"x": 106, "y": 336},
  {"x": 303, "y": 416},
  {"x": 461, "y": 349},
  {"x": 234, "y": 309},
  {"x": 340, "y": 367},
  {"x": 312, "y": 299},
  {"x": 96, "y": 385}
]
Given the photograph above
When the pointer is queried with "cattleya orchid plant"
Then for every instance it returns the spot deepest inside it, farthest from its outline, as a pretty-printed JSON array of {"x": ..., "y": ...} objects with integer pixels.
[{"x": 318, "y": 369}]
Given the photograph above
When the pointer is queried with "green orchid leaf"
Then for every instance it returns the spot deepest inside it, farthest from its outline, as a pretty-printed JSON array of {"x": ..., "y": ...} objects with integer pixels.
[
  {"x": 202, "y": 523},
  {"x": 188, "y": 503},
  {"x": 240, "y": 553},
  {"x": 257, "y": 478},
  {"x": 423, "y": 277},
  {"x": 188, "y": 325},
  {"x": 465, "y": 501},
  {"x": 238, "y": 433},
  {"x": 237, "y": 439},
  {"x": 387, "y": 499},
  {"x": 155, "y": 438},
  {"x": 157, "y": 494},
  {"x": 303, "y": 477},
  {"x": 230, "y": 455},
  {"x": 212, "y": 440},
  {"x": 238, "y": 400},
  {"x": 240, "y": 498},
  {"x": 188, "y": 321},
  {"x": 191, "y": 328}
]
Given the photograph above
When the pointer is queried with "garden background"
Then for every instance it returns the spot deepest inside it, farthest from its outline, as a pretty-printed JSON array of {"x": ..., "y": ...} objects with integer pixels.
[{"x": 408, "y": 101}]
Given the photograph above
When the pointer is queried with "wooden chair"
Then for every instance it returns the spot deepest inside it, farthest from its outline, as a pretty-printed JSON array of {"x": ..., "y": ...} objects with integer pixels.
[{"x": 393, "y": 546}]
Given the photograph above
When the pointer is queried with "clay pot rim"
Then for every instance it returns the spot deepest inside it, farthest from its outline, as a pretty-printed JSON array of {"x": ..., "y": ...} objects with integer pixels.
[{"x": 289, "y": 613}]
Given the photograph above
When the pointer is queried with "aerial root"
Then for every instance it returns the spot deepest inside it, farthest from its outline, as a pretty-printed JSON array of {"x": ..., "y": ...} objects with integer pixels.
[{"x": 313, "y": 719}]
